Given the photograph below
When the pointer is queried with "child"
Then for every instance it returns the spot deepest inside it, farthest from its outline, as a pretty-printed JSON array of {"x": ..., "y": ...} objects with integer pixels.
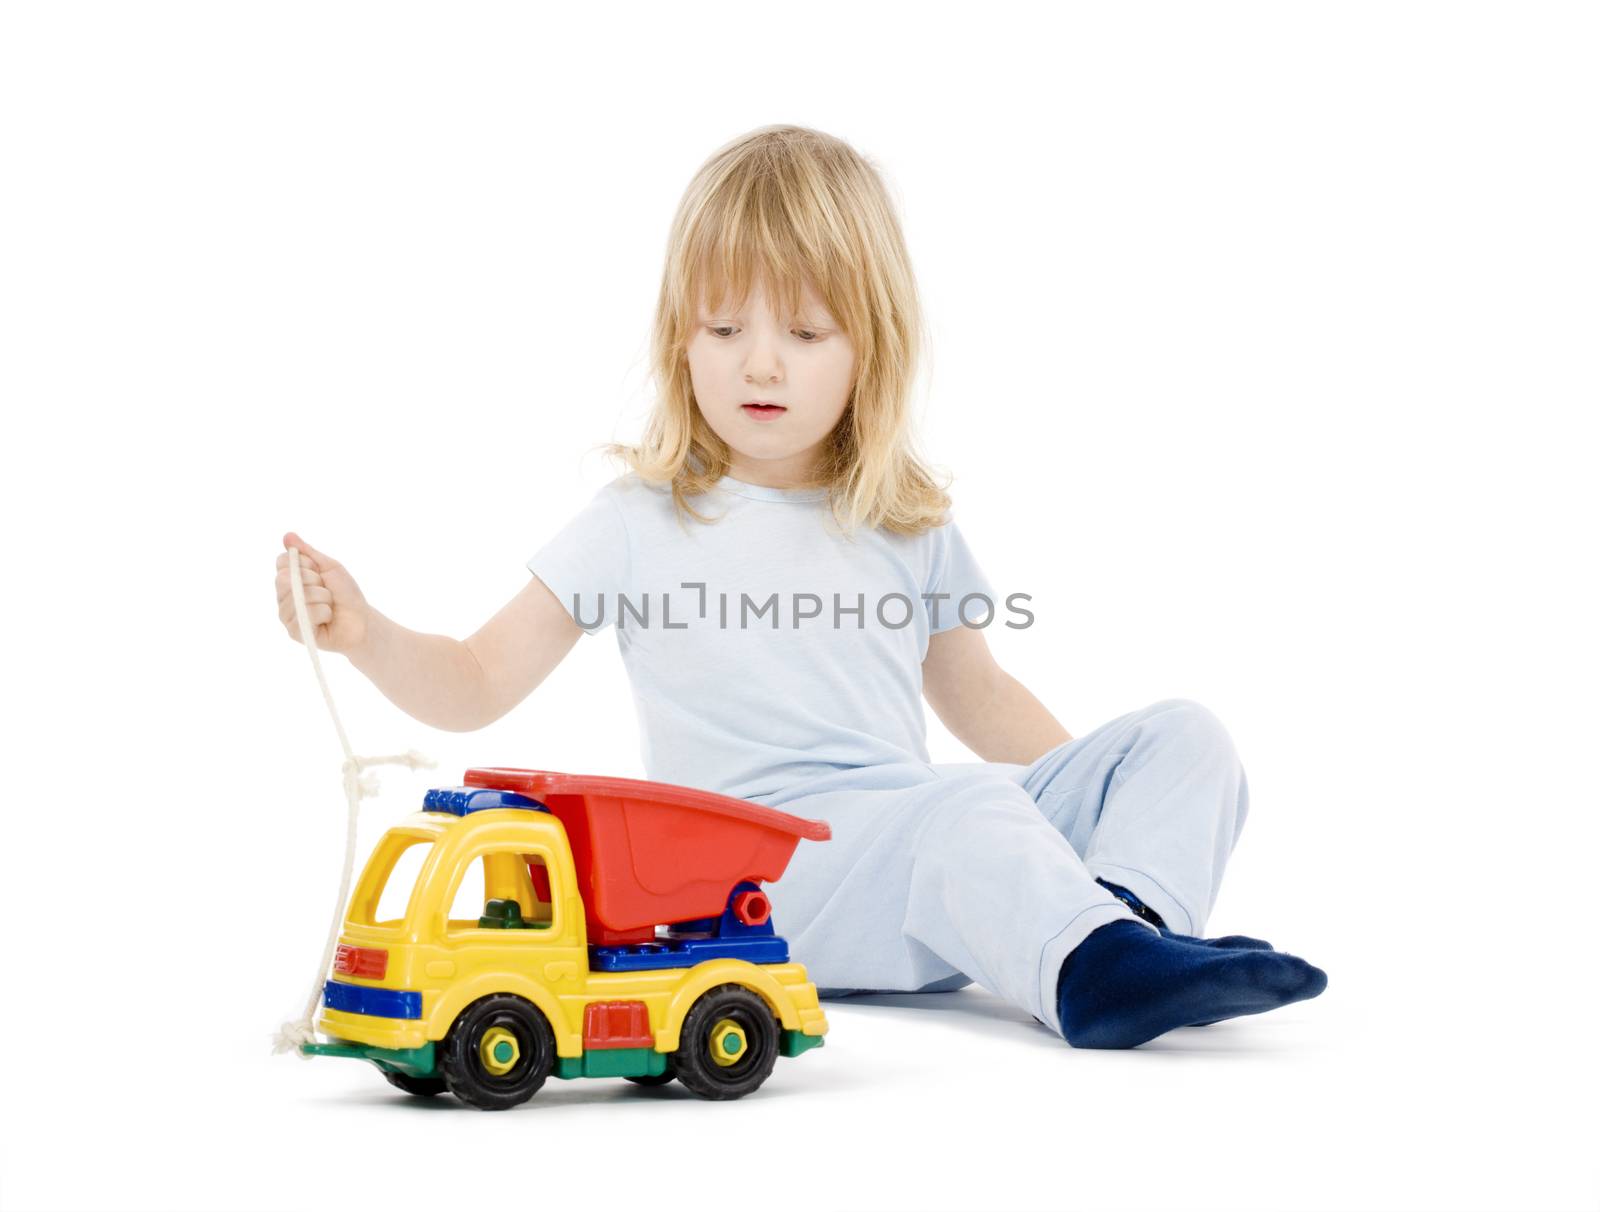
[{"x": 786, "y": 588}]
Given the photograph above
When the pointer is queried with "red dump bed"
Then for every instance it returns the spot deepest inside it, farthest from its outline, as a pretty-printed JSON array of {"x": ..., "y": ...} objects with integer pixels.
[{"x": 651, "y": 854}]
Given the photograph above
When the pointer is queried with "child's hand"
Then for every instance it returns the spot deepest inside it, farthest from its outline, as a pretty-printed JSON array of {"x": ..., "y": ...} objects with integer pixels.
[{"x": 334, "y": 603}]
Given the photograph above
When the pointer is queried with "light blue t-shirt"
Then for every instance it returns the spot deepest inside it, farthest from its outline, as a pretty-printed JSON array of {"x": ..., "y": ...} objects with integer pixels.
[{"x": 742, "y": 680}]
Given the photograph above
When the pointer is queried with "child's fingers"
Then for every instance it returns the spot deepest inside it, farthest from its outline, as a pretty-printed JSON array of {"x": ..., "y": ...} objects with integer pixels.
[
  {"x": 316, "y": 595},
  {"x": 309, "y": 563},
  {"x": 319, "y": 606},
  {"x": 308, "y": 574},
  {"x": 318, "y": 592},
  {"x": 318, "y": 561},
  {"x": 308, "y": 577},
  {"x": 307, "y": 560},
  {"x": 316, "y": 615}
]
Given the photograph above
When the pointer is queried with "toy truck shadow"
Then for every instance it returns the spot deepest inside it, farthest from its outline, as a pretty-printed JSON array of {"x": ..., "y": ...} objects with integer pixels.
[{"x": 623, "y": 933}]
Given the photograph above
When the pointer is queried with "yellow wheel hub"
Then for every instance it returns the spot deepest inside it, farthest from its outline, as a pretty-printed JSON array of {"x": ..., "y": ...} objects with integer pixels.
[
  {"x": 728, "y": 1044},
  {"x": 498, "y": 1051}
]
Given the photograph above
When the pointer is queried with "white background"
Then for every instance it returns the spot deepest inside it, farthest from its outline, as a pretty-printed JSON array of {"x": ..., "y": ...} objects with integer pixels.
[{"x": 1265, "y": 359}]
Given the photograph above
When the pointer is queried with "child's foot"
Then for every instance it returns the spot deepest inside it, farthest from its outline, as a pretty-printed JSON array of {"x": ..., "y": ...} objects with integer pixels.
[
  {"x": 1235, "y": 942},
  {"x": 1124, "y": 985}
]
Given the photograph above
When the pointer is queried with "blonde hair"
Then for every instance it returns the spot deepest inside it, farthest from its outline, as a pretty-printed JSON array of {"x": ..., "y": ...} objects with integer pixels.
[{"x": 786, "y": 205}]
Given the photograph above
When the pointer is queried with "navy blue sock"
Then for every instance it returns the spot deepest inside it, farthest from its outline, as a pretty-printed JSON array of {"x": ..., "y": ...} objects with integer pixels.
[
  {"x": 1124, "y": 985},
  {"x": 1239, "y": 942}
]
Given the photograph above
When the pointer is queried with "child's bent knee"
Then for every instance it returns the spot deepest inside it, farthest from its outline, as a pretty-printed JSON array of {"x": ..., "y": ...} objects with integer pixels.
[{"x": 1197, "y": 724}]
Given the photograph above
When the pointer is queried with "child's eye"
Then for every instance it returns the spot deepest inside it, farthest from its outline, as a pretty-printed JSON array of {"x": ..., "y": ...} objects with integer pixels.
[{"x": 809, "y": 336}]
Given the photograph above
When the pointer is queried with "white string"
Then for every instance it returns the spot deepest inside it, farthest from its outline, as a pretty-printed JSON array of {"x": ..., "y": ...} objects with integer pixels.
[{"x": 357, "y": 786}]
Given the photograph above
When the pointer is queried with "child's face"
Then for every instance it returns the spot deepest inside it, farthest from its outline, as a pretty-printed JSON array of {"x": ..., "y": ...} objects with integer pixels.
[{"x": 805, "y": 363}]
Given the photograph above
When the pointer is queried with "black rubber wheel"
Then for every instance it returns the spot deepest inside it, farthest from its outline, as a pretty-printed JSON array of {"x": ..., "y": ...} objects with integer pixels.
[
  {"x": 422, "y": 1087},
  {"x": 728, "y": 1045},
  {"x": 497, "y": 1053}
]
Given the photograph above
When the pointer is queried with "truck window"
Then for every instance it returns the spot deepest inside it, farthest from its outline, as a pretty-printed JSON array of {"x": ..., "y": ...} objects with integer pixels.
[
  {"x": 503, "y": 890},
  {"x": 387, "y": 883},
  {"x": 466, "y": 906}
]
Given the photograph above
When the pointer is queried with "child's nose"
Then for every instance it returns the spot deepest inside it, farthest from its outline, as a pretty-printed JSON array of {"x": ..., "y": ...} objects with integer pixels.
[{"x": 763, "y": 366}]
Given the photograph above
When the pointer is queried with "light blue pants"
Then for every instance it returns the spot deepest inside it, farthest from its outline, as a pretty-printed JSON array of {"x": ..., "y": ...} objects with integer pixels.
[{"x": 941, "y": 875}]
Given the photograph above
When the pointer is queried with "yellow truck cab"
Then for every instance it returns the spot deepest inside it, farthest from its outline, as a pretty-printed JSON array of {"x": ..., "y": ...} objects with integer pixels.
[{"x": 468, "y": 960}]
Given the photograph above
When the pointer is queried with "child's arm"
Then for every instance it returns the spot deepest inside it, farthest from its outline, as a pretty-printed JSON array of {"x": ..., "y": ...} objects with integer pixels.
[
  {"x": 451, "y": 684},
  {"x": 982, "y": 705}
]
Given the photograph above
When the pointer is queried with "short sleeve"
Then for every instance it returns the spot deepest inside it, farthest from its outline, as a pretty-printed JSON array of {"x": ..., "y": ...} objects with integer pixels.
[
  {"x": 586, "y": 563},
  {"x": 954, "y": 578}
]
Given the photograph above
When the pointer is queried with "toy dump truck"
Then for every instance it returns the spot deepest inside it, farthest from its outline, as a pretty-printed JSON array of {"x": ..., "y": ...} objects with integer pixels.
[{"x": 571, "y": 925}]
